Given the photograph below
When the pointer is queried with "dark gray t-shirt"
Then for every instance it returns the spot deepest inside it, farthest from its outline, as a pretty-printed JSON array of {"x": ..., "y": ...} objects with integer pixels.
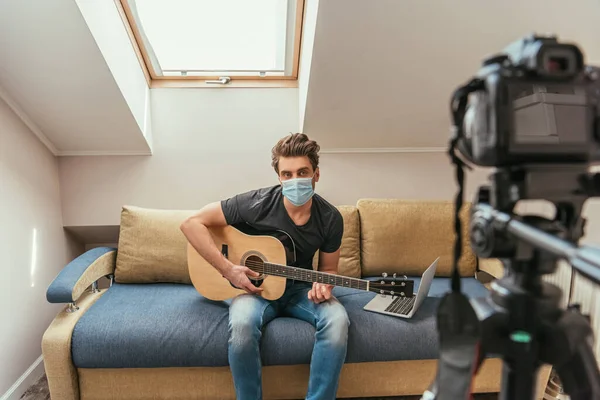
[{"x": 263, "y": 209}]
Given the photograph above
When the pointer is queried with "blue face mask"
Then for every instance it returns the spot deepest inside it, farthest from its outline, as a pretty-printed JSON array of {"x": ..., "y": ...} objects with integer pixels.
[{"x": 298, "y": 190}]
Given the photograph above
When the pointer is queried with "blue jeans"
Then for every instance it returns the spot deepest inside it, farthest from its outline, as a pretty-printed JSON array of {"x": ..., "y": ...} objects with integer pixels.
[{"x": 248, "y": 314}]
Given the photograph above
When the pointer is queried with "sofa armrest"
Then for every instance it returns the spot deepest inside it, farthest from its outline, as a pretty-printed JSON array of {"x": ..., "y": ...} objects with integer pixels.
[
  {"x": 493, "y": 267},
  {"x": 80, "y": 273}
]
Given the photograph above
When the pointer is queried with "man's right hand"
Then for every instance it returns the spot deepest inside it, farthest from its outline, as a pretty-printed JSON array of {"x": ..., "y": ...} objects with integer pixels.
[{"x": 238, "y": 276}]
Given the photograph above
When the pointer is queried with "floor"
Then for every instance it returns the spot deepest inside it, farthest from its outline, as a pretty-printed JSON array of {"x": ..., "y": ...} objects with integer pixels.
[{"x": 39, "y": 391}]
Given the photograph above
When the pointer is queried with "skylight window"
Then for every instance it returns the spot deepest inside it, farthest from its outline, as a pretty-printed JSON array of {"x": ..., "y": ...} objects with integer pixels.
[{"x": 214, "y": 39}]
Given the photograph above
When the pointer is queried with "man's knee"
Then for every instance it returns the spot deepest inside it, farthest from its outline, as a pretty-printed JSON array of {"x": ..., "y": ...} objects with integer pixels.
[
  {"x": 245, "y": 320},
  {"x": 335, "y": 322}
]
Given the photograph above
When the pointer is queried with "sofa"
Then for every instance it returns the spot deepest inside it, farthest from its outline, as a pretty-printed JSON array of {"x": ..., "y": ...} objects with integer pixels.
[{"x": 149, "y": 334}]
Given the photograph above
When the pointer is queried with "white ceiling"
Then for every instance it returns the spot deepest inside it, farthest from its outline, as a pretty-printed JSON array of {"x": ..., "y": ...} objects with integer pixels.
[
  {"x": 381, "y": 76},
  {"x": 383, "y": 70},
  {"x": 53, "y": 71}
]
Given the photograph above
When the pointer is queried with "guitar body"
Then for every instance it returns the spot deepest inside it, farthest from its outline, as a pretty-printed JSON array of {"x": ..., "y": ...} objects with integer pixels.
[{"x": 248, "y": 247}]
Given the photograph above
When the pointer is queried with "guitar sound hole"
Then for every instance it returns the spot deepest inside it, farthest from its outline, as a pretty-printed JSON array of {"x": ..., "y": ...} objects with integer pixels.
[{"x": 255, "y": 263}]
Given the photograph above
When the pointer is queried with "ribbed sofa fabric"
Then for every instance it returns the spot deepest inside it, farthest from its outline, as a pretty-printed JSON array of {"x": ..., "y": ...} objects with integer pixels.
[
  {"x": 61, "y": 288},
  {"x": 172, "y": 325}
]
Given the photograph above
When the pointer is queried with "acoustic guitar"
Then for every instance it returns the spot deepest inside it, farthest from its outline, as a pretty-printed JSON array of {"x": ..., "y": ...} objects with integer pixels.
[{"x": 272, "y": 254}]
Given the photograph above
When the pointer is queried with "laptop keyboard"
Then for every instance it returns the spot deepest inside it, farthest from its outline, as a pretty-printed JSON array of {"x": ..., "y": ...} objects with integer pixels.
[{"x": 401, "y": 305}]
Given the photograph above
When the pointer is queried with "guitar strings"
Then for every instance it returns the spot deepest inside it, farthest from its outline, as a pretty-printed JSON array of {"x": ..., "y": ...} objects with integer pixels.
[{"x": 259, "y": 266}]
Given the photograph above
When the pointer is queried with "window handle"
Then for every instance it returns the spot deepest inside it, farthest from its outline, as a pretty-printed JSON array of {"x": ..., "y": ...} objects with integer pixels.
[{"x": 222, "y": 80}]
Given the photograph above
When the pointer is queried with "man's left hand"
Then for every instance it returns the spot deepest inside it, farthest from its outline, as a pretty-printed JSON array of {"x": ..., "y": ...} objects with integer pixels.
[{"x": 320, "y": 292}]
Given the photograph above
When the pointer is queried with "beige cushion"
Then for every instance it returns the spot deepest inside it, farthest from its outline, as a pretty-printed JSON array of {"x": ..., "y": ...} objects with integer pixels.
[
  {"x": 406, "y": 236},
  {"x": 151, "y": 246},
  {"x": 349, "y": 264}
]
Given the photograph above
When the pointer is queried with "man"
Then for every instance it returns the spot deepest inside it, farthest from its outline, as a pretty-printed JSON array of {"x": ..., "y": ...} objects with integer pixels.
[{"x": 313, "y": 224}]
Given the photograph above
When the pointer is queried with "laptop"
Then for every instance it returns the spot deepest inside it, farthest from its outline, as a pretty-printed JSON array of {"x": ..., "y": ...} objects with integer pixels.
[{"x": 404, "y": 307}]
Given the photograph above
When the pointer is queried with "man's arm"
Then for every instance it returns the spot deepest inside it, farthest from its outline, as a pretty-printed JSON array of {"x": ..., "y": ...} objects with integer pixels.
[
  {"x": 329, "y": 257},
  {"x": 328, "y": 262},
  {"x": 195, "y": 229}
]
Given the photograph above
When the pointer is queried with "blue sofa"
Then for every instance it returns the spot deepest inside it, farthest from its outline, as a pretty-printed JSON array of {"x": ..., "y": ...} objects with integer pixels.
[{"x": 150, "y": 334}]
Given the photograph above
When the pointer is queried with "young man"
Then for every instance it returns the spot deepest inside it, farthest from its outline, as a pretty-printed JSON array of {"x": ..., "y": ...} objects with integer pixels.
[{"x": 313, "y": 224}]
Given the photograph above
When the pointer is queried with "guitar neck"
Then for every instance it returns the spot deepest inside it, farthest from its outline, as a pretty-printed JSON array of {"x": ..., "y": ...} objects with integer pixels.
[{"x": 306, "y": 275}]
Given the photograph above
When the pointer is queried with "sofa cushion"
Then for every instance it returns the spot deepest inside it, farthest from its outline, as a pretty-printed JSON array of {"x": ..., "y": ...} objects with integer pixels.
[
  {"x": 171, "y": 325},
  {"x": 349, "y": 264},
  {"x": 406, "y": 236},
  {"x": 151, "y": 246}
]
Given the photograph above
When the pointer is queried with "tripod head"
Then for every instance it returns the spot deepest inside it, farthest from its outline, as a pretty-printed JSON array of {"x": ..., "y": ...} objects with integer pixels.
[{"x": 496, "y": 232}]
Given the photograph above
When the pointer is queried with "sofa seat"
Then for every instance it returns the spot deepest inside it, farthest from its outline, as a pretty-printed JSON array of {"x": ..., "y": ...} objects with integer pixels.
[{"x": 172, "y": 325}]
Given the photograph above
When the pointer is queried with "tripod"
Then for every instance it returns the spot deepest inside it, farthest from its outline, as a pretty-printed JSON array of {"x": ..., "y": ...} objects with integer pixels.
[{"x": 520, "y": 320}]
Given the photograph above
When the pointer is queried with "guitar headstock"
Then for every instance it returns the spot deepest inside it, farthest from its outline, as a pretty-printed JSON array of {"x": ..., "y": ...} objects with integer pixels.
[{"x": 393, "y": 286}]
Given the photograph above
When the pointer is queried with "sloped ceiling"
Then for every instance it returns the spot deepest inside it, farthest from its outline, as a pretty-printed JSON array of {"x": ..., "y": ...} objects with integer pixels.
[
  {"x": 383, "y": 70},
  {"x": 381, "y": 75},
  {"x": 53, "y": 71}
]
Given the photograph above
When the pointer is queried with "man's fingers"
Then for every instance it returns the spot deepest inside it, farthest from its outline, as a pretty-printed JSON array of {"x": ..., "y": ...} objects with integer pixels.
[
  {"x": 250, "y": 288},
  {"x": 312, "y": 295},
  {"x": 319, "y": 293},
  {"x": 251, "y": 272},
  {"x": 253, "y": 289}
]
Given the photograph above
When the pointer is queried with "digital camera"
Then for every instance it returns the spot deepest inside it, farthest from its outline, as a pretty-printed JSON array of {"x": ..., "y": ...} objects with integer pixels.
[{"x": 536, "y": 103}]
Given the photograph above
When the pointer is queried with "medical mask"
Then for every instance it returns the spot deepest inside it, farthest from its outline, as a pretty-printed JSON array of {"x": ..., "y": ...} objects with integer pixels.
[{"x": 298, "y": 190}]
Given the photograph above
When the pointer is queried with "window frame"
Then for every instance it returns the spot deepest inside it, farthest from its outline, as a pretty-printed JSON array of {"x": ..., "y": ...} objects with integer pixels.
[{"x": 156, "y": 81}]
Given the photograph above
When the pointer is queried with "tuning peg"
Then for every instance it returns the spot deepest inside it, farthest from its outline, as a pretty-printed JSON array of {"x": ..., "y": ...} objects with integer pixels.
[
  {"x": 392, "y": 293},
  {"x": 384, "y": 274},
  {"x": 394, "y": 276}
]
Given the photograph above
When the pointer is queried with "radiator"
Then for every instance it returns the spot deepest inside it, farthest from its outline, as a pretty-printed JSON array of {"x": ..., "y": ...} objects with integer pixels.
[
  {"x": 576, "y": 289},
  {"x": 583, "y": 292}
]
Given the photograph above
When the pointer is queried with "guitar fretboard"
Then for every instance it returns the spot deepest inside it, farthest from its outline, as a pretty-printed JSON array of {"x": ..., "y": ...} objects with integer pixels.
[{"x": 306, "y": 275}]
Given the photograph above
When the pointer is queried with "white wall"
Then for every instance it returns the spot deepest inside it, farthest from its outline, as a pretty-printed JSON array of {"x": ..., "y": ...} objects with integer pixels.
[
  {"x": 213, "y": 143},
  {"x": 207, "y": 144},
  {"x": 311, "y": 8},
  {"x": 389, "y": 67},
  {"x": 32, "y": 243},
  {"x": 53, "y": 68},
  {"x": 107, "y": 27}
]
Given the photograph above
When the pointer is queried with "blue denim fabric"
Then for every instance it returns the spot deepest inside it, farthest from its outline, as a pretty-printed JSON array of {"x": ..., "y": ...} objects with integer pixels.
[
  {"x": 171, "y": 325},
  {"x": 248, "y": 314},
  {"x": 61, "y": 288}
]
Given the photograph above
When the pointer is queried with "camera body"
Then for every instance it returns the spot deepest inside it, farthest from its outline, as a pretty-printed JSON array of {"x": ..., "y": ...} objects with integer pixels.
[{"x": 538, "y": 104}]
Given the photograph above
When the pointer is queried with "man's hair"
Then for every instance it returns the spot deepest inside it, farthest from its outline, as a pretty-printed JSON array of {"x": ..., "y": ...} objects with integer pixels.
[{"x": 295, "y": 145}]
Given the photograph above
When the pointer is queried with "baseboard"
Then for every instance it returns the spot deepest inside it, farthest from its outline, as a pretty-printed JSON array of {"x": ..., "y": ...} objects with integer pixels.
[{"x": 31, "y": 376}]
